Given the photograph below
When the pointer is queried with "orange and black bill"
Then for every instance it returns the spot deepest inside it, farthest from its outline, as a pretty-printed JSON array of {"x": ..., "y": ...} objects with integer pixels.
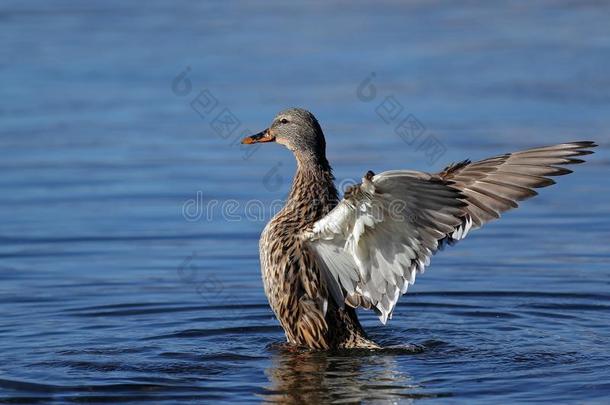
[{"x": 264, "y": 136}]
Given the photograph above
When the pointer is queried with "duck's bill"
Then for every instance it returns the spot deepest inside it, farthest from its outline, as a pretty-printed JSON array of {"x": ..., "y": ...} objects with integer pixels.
[{"x": 264, "y": 136}]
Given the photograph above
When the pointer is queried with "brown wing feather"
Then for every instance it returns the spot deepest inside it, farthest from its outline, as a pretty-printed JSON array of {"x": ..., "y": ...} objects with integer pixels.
[{"x": 494, "y": 185}]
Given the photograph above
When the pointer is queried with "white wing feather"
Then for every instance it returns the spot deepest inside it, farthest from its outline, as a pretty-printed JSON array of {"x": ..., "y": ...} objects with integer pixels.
[{"x": 384, "y": 232}]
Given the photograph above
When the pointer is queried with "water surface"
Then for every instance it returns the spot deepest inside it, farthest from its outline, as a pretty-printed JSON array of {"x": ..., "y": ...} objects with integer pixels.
[{"x": 127, "y": 277}]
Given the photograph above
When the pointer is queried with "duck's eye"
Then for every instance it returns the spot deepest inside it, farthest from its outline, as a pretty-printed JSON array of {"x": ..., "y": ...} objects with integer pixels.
[{"x": 283, "y": 121}]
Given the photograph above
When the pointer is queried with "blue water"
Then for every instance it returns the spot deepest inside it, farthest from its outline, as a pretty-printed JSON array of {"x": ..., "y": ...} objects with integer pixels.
[{"x": 130, "y": 217}]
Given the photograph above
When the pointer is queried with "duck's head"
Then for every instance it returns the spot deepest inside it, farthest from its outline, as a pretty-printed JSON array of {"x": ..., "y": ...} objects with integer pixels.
[{"x": 295, "y": 128}]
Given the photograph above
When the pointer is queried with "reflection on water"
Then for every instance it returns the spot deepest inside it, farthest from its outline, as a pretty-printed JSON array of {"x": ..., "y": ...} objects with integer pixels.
[{"x": 320, "y": 377}]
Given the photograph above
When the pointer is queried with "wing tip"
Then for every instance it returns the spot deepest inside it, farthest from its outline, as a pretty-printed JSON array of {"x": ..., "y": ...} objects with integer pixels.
[{"x": 582, "y": 148}]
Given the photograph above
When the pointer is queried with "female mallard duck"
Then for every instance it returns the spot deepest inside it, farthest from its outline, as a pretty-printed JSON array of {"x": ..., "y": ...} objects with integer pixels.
[{"x": 322, "y": 258}]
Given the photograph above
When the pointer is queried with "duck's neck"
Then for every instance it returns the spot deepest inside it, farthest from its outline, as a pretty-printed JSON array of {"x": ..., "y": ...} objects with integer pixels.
[{"x": 313, "y": 193}]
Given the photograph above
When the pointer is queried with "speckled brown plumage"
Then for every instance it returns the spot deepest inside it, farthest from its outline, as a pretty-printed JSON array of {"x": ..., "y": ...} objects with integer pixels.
[{"x": 294, "y": 283}]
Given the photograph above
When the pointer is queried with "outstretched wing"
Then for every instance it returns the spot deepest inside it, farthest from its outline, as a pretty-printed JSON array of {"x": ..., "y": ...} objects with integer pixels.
[
  {"x": 384, "y": 231},
  {"x": 494, "y": 185}
]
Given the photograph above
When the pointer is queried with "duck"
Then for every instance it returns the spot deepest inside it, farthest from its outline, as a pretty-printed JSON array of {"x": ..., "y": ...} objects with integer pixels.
[{"x": 322, "y": 257}]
